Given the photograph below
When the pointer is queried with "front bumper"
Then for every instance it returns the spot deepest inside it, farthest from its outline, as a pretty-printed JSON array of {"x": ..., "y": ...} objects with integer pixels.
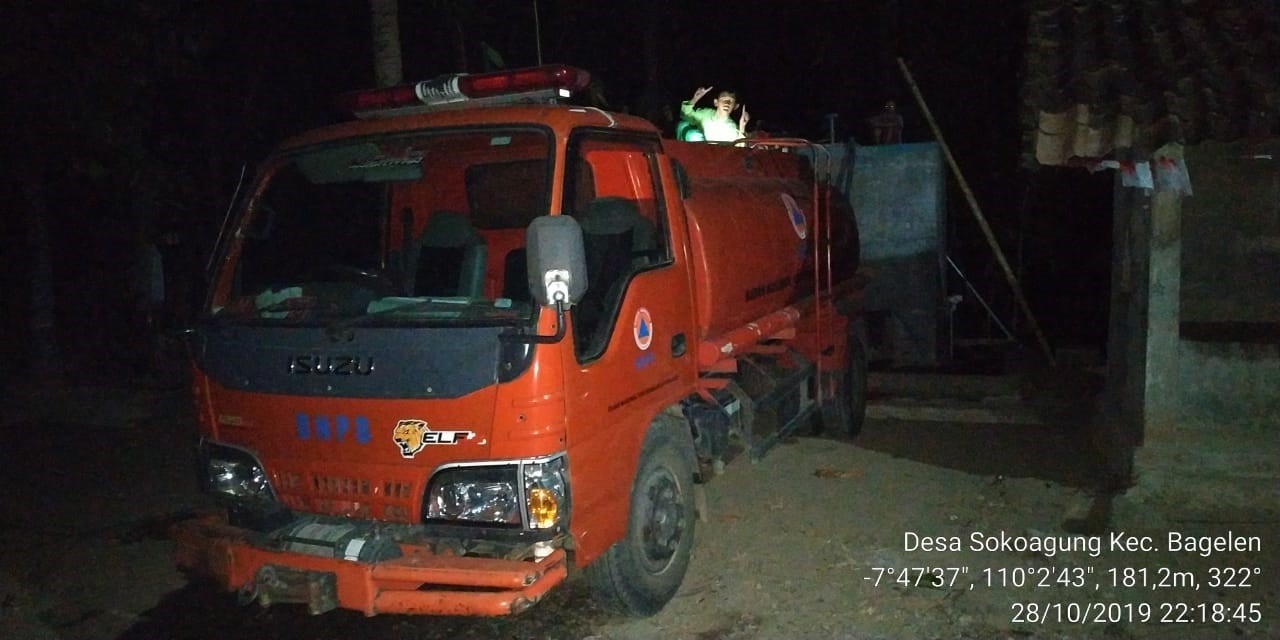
[{"x": 418, "y": 582}]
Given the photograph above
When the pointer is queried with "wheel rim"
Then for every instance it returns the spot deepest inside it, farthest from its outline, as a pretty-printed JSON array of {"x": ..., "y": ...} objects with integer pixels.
[{"x": 664, "y": 526}]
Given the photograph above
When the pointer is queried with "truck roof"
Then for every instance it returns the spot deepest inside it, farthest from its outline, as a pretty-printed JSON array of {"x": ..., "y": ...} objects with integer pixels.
[{"x": 560, "y": 118}]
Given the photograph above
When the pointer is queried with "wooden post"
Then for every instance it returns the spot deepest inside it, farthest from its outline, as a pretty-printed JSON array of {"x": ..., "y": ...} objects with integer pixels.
[{"x": 977, "y": 214}]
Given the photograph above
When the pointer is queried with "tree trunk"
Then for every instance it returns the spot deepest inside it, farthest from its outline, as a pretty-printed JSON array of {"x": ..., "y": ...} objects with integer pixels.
[
  {"x": 459, "y": 38},
  {"x": 651, "y": 106},
  {"x": 387, "y": 67}
]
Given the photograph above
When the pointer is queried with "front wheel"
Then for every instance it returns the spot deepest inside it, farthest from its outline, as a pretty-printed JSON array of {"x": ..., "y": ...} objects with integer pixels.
[{"x": 639, "y": 574}]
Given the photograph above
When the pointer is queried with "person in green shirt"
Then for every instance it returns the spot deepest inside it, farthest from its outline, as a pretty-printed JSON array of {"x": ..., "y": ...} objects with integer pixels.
[{"x": 715, "y": 123}]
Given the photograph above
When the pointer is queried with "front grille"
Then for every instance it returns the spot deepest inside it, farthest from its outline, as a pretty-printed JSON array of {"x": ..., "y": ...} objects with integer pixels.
[
  {"x": 346, "y": 495},
  {"x": 341, "y": 486}
]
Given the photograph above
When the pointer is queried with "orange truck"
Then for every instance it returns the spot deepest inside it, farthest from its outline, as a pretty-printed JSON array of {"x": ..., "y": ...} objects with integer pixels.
[{"x": 475, "y": 338}]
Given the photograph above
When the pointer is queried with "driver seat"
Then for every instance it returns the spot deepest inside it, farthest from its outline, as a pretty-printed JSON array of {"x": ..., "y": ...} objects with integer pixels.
[
  {"x": 451, "y": 258},
  {"x": 617, "y": 242}
]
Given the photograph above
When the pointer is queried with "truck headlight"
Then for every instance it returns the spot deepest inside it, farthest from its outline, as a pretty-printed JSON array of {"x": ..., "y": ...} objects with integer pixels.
[
  {"x": 233, "y": 472},
  {"x": 474, "y": 494},
  {"x": 531, "y": 493}
]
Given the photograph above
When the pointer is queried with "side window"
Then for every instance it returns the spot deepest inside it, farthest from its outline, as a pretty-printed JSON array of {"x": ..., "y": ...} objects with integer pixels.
[{"x": 612, "y": 189}]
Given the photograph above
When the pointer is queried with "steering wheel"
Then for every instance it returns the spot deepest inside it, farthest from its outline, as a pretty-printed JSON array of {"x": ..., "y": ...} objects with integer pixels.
[{"x": 372, "y": 279}]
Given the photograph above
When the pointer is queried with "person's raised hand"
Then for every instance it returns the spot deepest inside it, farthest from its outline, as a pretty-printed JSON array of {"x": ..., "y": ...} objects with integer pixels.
[
  {"x": 697, "y": 95},
  {"x": 742, "y": 119}
]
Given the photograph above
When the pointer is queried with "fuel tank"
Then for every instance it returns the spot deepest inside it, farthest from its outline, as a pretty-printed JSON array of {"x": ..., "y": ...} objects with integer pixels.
[{"x": 753, "y": 239}]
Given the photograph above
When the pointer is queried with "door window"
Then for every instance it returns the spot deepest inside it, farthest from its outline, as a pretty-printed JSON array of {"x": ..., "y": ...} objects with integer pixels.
[{"x": 612, "y": 189}]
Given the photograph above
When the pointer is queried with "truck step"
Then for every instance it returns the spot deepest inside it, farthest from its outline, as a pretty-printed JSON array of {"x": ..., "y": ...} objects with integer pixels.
[
  {"x": 773, "y": 387},
  {"x": 763, "y": 445}
]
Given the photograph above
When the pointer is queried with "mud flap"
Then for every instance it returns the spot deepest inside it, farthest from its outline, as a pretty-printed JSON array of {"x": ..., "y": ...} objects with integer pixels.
[
  {"x": 700, "y": 502},
  {"x": 275, "y": 584}
]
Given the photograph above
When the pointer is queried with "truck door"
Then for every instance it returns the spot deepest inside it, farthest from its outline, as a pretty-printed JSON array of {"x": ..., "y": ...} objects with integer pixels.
[{"x": 633, "y": 331}]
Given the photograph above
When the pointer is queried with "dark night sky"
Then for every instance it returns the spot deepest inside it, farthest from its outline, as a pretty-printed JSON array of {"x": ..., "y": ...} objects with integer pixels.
[
  {"x": 263, "y": 70},
  {"x": 792, "y": 62}
]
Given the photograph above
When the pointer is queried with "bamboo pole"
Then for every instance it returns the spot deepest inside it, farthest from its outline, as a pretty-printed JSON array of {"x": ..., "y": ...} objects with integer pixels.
[{"x": 977, "y": 214}]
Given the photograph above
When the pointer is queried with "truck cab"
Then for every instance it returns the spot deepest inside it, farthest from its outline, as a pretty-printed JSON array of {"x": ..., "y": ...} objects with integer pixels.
[{"x": 450, "y": 350}]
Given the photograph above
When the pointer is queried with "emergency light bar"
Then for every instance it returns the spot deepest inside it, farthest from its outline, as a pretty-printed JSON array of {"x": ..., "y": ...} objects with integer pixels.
[{"x": 530, "y": 85}]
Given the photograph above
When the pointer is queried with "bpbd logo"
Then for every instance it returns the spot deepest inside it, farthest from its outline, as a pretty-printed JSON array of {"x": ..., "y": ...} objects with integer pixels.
[{"x": 333, "y": 428}]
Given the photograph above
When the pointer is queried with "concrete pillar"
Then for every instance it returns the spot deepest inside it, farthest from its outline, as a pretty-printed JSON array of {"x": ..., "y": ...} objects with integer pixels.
[{"x": 1162, "y": 392}]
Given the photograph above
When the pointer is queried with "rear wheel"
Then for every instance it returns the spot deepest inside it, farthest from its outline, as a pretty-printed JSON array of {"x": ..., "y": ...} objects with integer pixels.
[
  {"x": 639, "y": 574},
  {"x": 844, "y": 412}
]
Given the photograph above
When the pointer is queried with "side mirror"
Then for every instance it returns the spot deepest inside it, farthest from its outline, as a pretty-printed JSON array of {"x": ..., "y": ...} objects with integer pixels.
[{"x": 556, "y": 261}]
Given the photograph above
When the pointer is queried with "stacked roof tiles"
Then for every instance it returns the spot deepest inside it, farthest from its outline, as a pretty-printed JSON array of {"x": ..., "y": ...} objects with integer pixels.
[{"x": 1120, "y": 78}]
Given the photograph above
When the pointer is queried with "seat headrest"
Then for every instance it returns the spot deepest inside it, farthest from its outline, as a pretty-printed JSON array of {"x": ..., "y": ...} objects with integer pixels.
[
  {"x": 609, "y": 216},
  {"x": 448, "y": 229}
]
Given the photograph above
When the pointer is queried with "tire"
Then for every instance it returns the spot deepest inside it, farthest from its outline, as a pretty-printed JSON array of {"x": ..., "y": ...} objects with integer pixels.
[
  {"x": 639, "y": 574},
  {"x": 843, "y": 415}
]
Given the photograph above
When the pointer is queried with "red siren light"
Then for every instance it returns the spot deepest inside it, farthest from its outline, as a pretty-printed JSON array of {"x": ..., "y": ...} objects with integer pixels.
[{"x": 529, "y": 85}]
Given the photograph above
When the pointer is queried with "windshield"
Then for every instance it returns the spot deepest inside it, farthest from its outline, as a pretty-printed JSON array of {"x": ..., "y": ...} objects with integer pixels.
[{"x": 427, "y": 227}]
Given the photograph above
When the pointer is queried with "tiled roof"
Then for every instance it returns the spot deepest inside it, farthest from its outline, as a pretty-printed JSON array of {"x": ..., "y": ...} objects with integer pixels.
[{"x": 1119, "y": 78}]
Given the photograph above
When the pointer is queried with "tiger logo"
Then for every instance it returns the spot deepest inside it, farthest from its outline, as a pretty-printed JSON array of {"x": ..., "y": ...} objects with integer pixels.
[{"x": 412, "y": 435}]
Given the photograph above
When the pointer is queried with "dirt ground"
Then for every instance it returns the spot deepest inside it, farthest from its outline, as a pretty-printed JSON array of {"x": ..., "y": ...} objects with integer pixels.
[{"x": 812, "y": 542}]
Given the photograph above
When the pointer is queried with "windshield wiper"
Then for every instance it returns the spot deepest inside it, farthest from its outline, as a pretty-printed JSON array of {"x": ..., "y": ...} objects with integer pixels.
[{"x": 409, "y": 305}]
